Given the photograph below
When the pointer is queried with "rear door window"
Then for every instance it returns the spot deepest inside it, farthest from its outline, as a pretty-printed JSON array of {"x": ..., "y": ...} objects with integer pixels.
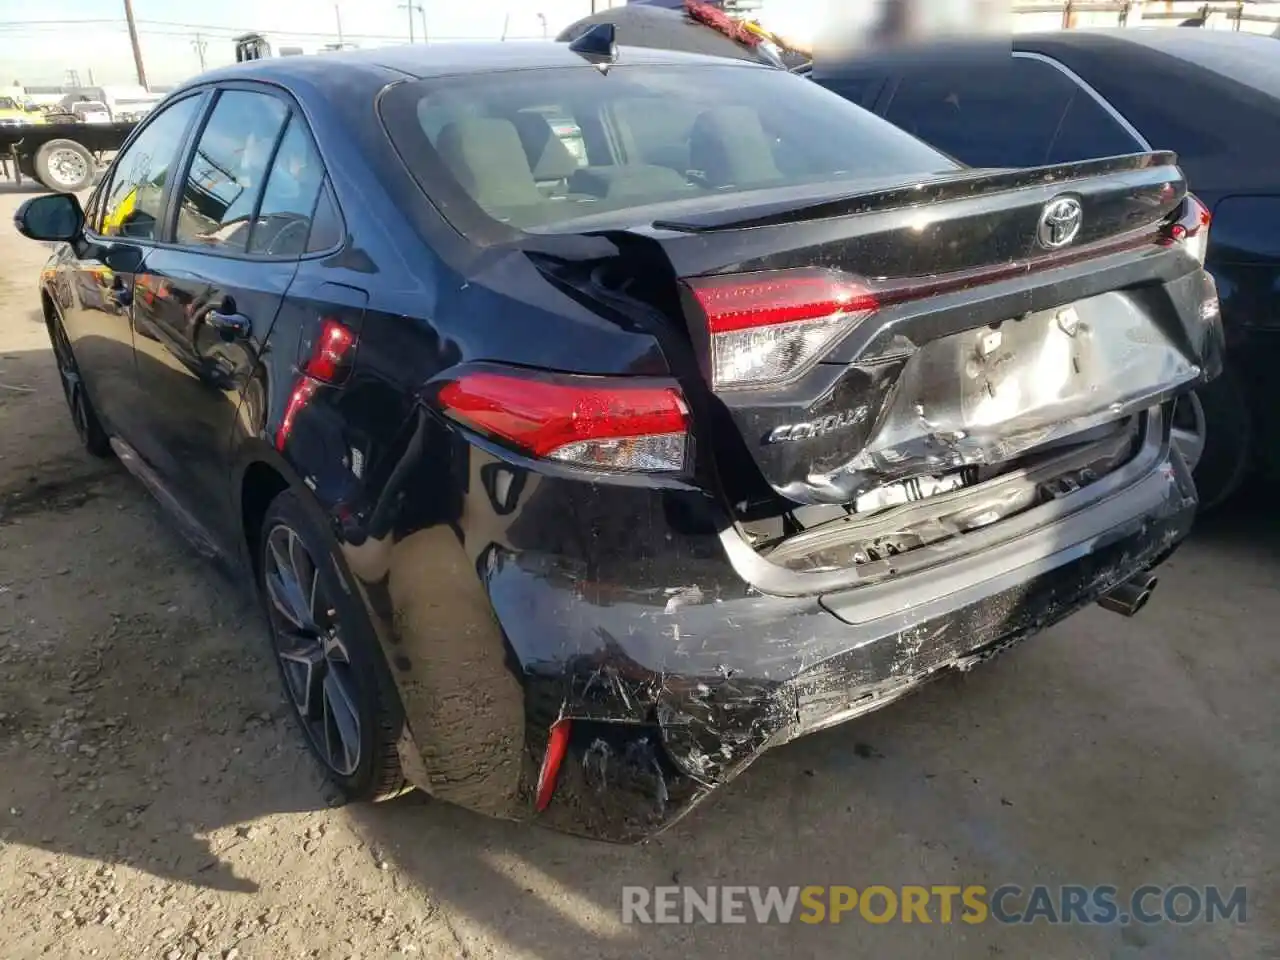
[
  {"x": 283, "y": 222},
  {"x": 326, "y": 223},
  {"x": 228, "y": 170},
  {"x": 1020, "y": 112}
]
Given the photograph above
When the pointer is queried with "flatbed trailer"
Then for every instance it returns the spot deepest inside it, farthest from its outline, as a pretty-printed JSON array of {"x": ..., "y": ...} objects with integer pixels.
[{"x": 64, "y": 157}]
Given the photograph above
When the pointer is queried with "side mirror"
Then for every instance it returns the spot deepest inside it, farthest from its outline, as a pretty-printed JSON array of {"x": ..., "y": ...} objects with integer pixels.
[{"x": 56, "y": 216}]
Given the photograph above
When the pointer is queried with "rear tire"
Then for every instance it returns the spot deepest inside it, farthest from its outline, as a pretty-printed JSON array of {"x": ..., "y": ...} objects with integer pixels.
[
  {"x": 1226, "y": 457},
  {"x": 328, "y": 655},
  {"x": 64, "y": 166}
]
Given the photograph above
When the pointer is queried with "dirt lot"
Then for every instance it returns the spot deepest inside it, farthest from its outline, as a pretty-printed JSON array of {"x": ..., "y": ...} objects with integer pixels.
[{"x": 155, "y": 800}]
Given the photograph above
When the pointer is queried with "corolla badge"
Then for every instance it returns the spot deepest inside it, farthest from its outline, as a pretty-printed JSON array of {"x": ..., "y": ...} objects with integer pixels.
[
  {"x": 817, "y": 428},
  {"x": 1060, "y": 222}
]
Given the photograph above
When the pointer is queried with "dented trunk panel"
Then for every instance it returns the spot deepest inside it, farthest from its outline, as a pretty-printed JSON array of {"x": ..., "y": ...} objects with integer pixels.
[
  {"x": 990, "y": 395},
  {"x": 981, "y": 379},
  {"x": 965, "y": 361}
]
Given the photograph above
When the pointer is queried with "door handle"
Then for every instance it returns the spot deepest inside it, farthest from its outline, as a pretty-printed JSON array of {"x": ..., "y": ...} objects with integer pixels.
[{"x": 230, "y": 326}]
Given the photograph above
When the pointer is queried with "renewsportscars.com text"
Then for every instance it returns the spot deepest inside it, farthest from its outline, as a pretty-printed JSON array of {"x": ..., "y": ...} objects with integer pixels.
[{"x": 971, "y": 904}]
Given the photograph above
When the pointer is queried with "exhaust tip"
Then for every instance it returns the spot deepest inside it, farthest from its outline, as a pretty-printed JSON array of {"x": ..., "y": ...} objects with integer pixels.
[{"x": 1131, "y": 596}]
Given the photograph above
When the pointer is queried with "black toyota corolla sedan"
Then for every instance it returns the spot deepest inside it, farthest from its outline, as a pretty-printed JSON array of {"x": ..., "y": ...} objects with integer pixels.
[{"x": 590, "y": 421}]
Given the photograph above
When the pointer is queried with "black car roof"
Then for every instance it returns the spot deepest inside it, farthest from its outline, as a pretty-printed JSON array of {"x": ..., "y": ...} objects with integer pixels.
[
  {"x": 1252, "y": 59},
  {"x": 1249, "y": 58},
  {"x": 422, "y": 61}
]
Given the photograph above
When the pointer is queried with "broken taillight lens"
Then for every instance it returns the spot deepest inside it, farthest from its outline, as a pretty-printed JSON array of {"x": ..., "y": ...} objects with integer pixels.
[
  {"x": 770, "y": 327},
  {"x": 602, "y": 423},
  {"x": 1191, "y": 229}
]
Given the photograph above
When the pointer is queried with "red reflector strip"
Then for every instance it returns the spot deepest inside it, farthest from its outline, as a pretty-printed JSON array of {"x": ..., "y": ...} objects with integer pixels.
[
  {"x": 542, "y": 415},
  {"x": 557, "y": 746},
  {"x": 302, "y": 393},
  {"x": 744, "y": 301}
]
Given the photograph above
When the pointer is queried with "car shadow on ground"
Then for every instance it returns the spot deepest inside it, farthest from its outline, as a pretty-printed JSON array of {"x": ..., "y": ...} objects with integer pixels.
[
  {"x": 142, "y": 725},
  {"x": 1248, "y": 524},
  {"x": 140, "y": 720}
]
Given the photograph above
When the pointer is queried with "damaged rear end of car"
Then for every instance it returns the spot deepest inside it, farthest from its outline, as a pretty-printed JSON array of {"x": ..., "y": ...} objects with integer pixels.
[
  {"x": 879, "y": 374},
  {"x": 872, "y": 418}
]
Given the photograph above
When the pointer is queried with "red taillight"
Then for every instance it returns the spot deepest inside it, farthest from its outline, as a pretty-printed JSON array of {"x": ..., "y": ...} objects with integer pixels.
[
  {"x": 744, "y": 301},
  {"x": 331, "y": 352},
  {"x": 557, "y": 746},
  {"x": 328, "y": 362},
  {"x": 599, "y": 422},
  {"x": 1191, "y": 228},
  {"x": 769, "y": 327}
]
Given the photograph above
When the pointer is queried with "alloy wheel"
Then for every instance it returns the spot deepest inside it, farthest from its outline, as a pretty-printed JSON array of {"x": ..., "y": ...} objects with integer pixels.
[
  {"x": 1188, "y": 429},
  {"x": 72, "y": 385},
  {"x": 312, "y": 653}
]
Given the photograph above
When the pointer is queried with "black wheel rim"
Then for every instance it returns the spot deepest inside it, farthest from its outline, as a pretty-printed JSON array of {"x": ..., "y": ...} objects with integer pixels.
[
  {"x": 312, "y": 653},
  {"x": 72, "y": 385}
]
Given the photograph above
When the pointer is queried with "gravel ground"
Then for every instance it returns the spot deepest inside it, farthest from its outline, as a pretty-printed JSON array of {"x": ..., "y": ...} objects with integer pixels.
[{"x": 155, "y": 800}]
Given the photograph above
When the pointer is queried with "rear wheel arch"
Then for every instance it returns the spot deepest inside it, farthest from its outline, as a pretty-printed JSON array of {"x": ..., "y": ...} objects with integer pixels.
[{"x": 260, "y": 484}]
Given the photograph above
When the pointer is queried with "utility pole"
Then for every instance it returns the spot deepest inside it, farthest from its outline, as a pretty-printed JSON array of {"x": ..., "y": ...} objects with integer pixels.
[
  {"x": 411, "y": 6},
  {"x": 133, "y": 39},
  {"x": 199, "y": 44},
  {"x": 337, "y": 15}
]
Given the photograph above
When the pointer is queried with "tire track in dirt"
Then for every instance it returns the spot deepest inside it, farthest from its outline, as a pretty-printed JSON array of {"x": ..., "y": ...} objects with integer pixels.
[{"x": 60, "y": 493}]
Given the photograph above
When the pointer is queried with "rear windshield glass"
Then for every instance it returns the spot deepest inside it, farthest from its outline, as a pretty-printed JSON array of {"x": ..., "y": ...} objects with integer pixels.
[{"x": 543, "y": 148}]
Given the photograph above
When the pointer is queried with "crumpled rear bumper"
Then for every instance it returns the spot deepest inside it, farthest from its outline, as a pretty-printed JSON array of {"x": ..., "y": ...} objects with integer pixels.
[{"x": 649, "y": 744}]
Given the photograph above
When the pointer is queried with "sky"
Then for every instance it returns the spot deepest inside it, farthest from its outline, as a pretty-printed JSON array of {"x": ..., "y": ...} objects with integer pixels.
[{"x": 40, "y": 42}]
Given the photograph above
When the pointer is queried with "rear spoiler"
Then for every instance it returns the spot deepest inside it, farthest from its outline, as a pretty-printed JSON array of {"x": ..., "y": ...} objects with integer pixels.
[{"x": 962, "y": 185}]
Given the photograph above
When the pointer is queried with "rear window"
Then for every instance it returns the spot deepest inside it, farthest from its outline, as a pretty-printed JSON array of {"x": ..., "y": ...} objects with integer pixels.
[{"x": 537, "y": 149}]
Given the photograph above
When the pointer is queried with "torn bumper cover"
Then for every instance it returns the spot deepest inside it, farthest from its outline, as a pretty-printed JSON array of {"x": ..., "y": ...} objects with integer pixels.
[{"x": 672, "y": 697}]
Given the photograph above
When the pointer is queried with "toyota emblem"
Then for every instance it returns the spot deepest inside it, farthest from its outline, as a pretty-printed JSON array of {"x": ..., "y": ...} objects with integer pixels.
[{"x": 1059, "y": 222}]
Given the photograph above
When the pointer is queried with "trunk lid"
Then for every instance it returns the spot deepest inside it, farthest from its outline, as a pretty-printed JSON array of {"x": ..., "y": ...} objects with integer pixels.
[{"x": 914, "y": 329}]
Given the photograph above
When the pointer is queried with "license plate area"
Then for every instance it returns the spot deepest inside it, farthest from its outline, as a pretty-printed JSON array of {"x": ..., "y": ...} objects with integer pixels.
[{"x": 989, "y": 395}]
